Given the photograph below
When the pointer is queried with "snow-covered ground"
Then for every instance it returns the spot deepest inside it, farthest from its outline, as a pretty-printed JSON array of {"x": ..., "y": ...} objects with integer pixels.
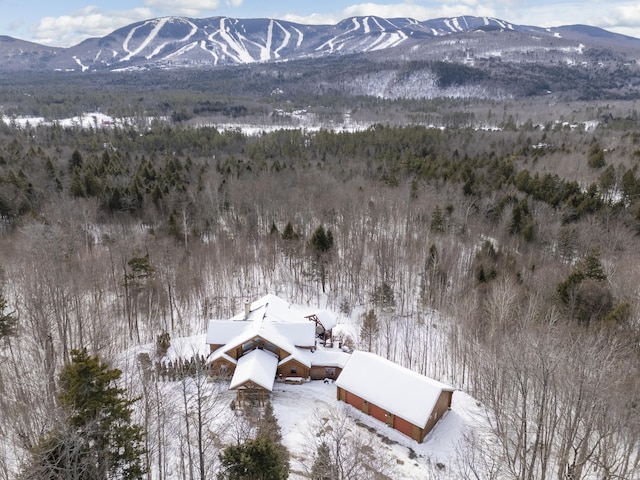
[
  {"x": 99, "y": 120},
  {"x": 297, "y": 120},
  {"x": 85, "y": 120},
  {"x": 298, "y": 406},
  {"x": 444, "y": 454}
]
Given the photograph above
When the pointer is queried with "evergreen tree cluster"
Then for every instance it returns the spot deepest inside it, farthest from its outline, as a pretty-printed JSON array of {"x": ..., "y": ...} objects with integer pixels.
[
  {"x": 166, "y": 173},
  {"x": 586, "y": 297},
  {"x": 8, "y": 320},
  {"x": 261, "y": 458},
  {"x": 94, "y": 438}
]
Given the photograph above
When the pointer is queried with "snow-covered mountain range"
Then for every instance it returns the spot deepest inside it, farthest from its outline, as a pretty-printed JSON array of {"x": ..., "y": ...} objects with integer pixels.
[{"x": 178, "y": 42}]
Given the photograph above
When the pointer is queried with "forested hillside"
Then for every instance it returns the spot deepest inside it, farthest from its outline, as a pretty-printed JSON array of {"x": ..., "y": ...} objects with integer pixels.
[{"x": 524, "y": 239}]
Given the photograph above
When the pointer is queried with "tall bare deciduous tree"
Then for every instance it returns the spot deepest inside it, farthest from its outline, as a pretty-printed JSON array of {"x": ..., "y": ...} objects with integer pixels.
[{"x": 350, "y": 452}]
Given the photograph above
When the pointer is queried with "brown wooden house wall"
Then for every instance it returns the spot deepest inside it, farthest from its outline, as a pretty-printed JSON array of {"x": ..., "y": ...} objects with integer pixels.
[
  {"x": 406, "y": 427},
  {"x": 353, "y": 399},
  {"x": 380, "y": 414},
  {"x": 319, "y": 372},
  {"x": 414, "y": 431},
  {"x": 237, "y": 351},
  {"x": 442, "y": 405},
  {"x": 222, "y": 368},
  {"x": 342, "y": 394},
  {"x": 284, "y": 370}
]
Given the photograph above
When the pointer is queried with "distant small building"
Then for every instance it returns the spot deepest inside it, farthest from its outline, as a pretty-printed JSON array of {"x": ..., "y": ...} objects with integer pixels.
[
  {"x": 271, "y": 340},
  {"x": 405, "y": 400}
]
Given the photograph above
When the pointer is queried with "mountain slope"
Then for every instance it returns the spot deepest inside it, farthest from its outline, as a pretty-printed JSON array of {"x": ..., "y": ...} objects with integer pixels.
[
  {"x": 20, "y": 55},
  {"x": 461, "y": 57},
  {"x": 172, "y": 42}
]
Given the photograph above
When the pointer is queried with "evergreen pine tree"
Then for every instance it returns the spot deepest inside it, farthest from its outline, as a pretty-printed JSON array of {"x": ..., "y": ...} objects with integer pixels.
[
  {"x": 289, "y": 233},
  {"x": 76, "y": 161},
  {"x": 77, "y": 188},
  {"x": 256, "y": 459},
  {"x": 95, "y": 439},
  {"x": 321, "y": 243},
  {"x": 595, "y": 158},
  {"x": 437, "y": 220},
  {"x": 369, "y": 329},
  {"x": 8, "y": 323},
  {"x": 591, "y": 266},
  {"x": 268, "y": 428},
  {"x": 268, "y": 425},
  {"x": 263, "y": 458}
]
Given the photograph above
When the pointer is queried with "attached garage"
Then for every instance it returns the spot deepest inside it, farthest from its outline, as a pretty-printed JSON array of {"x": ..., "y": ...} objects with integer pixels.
[
  {"x": 354, "y": 400},
  {"x": 405, "y": 400}
]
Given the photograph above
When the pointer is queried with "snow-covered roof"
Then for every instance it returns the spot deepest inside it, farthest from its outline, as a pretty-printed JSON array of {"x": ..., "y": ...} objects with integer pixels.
[
  {"x": 271, "y": 334},
  {"x": 271, "y": 318},
  {"x": 327, "y": 319},
  {"x": 220, "y": 353},
  {"x": 272, "y": 322},
  {"x": 396, "y": 389},
  {"x": 271, "y": 308},
  {"x": 257, "y": 366},
  {"x": 296, "y": 356},
  {"x": 220, "y": 332},
  {"x": 301, "y": 334},
  {"x": 327, "y": 358}
]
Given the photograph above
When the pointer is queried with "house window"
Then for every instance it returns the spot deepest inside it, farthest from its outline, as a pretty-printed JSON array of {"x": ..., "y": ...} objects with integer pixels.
[
  {"x": 294, "y": 370},
  {"x": 330, "y": 372}
]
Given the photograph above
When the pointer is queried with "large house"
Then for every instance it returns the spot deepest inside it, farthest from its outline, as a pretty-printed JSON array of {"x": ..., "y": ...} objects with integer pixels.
[
  {"x": 397, "y": 396},
  {"x": 271, "y": 340}
]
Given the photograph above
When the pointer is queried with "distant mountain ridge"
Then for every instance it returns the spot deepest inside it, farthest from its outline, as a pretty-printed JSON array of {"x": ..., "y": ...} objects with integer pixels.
[{"x": 180, "y": 42}]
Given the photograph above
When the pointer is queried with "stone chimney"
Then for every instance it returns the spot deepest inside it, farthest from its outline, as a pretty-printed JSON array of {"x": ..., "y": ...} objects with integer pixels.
[{"x": 247, "y": 309}]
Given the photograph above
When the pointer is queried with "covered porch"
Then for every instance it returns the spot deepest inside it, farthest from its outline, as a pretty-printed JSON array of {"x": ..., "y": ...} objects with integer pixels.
[{"x": 254, "y": 377}]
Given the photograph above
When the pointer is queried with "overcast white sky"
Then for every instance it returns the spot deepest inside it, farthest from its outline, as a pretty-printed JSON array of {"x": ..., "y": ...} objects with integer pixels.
[{"x": 66, "y": 23}]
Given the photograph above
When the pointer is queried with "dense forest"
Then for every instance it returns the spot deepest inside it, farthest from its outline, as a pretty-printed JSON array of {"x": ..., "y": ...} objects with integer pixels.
[{"x": 518, "y": 244}]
